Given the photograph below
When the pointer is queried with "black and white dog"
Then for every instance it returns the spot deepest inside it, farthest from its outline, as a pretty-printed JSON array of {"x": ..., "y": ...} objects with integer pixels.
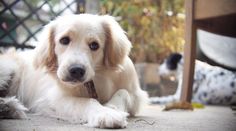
[{"x": 212, "y": 85}]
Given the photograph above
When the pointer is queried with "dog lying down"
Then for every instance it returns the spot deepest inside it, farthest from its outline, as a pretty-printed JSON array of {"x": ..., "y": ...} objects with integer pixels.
[
  {"x": 212, "y": 85},
  {"x": 73, "y": 50}
]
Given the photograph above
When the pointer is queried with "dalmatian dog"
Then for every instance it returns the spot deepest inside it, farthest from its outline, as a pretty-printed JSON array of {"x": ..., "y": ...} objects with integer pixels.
[{"x": 212, "y": 84}]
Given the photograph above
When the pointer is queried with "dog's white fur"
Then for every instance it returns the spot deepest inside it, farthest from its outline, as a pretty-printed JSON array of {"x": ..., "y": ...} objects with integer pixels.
[{"x": 39, "y": 74}]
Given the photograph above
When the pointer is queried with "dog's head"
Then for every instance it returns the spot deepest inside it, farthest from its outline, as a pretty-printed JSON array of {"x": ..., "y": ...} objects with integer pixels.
[
  {"x": 170, "y": 65},
  {"x": 73, "y": 47}
]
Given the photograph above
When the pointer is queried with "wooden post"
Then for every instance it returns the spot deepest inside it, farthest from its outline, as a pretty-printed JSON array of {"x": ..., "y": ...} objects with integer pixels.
[{"x": 189, "y": 52}]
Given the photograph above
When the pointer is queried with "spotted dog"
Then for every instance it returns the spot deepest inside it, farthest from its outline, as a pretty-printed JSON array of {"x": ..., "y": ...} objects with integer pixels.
[{"x": 212, "y": 84}]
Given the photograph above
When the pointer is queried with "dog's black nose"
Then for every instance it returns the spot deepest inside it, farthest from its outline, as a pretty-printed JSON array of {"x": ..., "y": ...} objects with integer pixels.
[{"x": 77, "y": 72}]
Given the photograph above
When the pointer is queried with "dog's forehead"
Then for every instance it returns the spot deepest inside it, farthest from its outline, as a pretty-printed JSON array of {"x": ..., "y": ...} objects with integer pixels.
[
  {"x": 80, "y": 24},
  {"x": 80, "y": 20}
]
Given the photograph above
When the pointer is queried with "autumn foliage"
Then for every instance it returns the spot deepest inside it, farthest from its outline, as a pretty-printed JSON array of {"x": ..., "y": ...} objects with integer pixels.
[{"x": 155, "y": 27}]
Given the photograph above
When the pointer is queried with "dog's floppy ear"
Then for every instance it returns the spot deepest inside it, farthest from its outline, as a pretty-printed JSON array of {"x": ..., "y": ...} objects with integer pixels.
[
  {"x": 117, "y": 45},
  {"x": 44, "y": 53}
]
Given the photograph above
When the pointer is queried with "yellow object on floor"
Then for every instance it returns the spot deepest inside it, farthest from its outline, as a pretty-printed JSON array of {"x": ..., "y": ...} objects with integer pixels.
[
  {"x": 178, "y": 105},
  {"x": 197, "y": 105}
]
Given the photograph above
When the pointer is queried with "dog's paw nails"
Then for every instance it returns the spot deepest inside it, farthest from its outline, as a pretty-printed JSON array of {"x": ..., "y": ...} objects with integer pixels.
[{"x": 108, "y": 118}]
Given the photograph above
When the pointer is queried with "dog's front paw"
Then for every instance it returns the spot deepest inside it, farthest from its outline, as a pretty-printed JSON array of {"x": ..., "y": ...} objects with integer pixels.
[
  {"x": 11, "y": 108},
  {"x": 108, "y": 118}
]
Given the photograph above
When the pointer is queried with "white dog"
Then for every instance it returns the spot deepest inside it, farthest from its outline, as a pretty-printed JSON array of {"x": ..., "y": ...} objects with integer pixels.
[{"x": 72, "y": 51}]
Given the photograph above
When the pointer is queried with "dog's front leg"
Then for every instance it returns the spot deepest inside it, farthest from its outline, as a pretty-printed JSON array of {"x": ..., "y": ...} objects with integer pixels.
[
  {"x": 90, "y": 111},
  {"x": 120, "y": 101}
]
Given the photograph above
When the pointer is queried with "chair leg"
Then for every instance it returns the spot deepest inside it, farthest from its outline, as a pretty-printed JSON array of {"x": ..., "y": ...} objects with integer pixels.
[{"x": 189, "y": 52}]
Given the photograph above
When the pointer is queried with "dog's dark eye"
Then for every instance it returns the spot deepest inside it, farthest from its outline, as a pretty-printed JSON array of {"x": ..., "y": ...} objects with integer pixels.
[
  {"x": 65, "y": 40},
  {"x": 94, "y": 46}
]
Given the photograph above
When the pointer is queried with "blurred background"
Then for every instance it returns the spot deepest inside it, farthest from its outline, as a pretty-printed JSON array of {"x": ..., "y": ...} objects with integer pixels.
[{"x": 155, "y": 27}]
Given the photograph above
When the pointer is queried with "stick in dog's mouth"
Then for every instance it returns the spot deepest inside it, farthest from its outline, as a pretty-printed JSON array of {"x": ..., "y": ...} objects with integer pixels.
[{"x": 91, "y": 89}]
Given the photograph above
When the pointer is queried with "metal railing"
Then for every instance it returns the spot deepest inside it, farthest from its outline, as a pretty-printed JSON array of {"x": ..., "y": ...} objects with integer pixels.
[{"x": 22, "y": 20}]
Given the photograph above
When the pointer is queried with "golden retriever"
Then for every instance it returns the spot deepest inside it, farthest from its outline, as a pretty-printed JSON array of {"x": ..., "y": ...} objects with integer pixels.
[{"x": 73, "y": 50}]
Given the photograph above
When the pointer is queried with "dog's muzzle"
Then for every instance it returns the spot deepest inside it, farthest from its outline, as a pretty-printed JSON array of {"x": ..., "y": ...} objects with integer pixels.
[{"x": 76, "y": 73}]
